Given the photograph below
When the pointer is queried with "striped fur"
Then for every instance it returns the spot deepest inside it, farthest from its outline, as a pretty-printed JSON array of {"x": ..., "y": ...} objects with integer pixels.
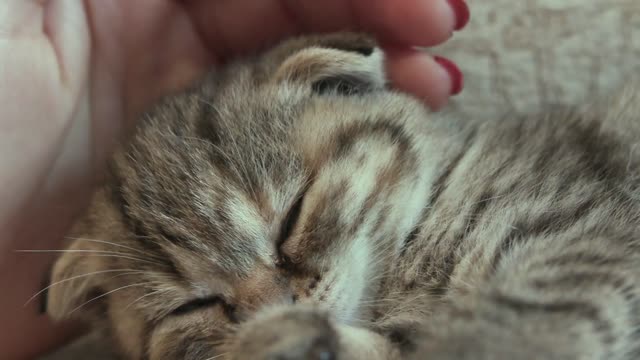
[{"x": 292, "y": 207}]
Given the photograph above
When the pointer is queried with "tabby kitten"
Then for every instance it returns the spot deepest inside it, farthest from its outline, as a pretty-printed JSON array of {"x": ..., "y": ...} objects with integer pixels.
[{"x": 291, "y": 206}]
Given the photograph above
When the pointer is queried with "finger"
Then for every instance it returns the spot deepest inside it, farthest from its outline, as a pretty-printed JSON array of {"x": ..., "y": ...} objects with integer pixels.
[
  {"x": 414, "y": 22},
  {"x": 322, "y": 16},
  {"x": 31, "y": 74},
  {"x": 61, "y": 26},
  {"x": 231, "y": 27},
  {"x": 67, "y": 28},
  {"x": 432, "y": 80},
  {"x": 21, "y": 18},
  {"x": 165, "y": 52},
  {"x": 411, "y": 22},
  {"x": 142, "y": 50}
]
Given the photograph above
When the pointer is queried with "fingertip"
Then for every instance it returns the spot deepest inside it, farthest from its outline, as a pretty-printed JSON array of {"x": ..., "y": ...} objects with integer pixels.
[
  {"x": 456, "y": 76},
  {"x": 461, "y": 12},
  {"x": 411, "y": 22},
  {"x": 420, "y": 75}
]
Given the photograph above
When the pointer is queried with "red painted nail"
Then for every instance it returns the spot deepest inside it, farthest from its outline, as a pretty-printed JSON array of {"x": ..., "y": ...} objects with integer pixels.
[
  {"x": 457, "y": 78},
  {"x": 462, "y": 13}
]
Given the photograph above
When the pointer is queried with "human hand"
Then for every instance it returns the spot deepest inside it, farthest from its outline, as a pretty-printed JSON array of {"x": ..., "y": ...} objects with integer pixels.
[{"x": 75, "y": 74}]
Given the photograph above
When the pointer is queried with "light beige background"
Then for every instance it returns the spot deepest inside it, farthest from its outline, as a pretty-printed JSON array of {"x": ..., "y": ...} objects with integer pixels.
[{"x": 522, "y": 54}]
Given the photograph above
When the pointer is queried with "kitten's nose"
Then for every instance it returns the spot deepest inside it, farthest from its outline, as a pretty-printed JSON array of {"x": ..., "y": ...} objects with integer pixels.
[
  {"x": 258, "y": 302},
  {"x": 266, "y": 288}
]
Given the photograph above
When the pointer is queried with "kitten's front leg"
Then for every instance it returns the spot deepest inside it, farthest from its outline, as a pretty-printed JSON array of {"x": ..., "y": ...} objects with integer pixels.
[
  {"x": 483, "y": 334},
  {"x": 552, "y": 305},
  {"x": 304, "y": 332}
]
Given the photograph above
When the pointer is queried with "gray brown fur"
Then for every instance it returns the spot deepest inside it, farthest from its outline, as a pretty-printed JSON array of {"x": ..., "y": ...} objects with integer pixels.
[{"x": 417, "y": 234}]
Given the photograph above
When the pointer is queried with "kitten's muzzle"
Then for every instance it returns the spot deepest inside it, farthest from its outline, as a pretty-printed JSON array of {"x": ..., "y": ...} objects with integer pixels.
[{"x": 269, "y": 288}]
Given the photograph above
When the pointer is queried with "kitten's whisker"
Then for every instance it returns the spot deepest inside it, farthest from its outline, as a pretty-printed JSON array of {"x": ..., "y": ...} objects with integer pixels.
[
  {"x": 66, "y": 251},
  {"x": 97, "y": 253},
  {"x": 71, "y": 279},
  {"x": 103, "y": 295},
  {"x": 72, "y": 251},
  {"x": 144, "y": 296},
  {"x": 377, "y": 301},
  {"x": 190, "y": 138},
  {"x": 107, "y": 243},
  {"x": 409, "y": 303},
  {"x": 216, "y": 343},
  {"x": 243, "y": 167},
  {"x": 217, "y": 356},
  {"x": 124, "y": 257},
  {"x": 128, "y": 273}
]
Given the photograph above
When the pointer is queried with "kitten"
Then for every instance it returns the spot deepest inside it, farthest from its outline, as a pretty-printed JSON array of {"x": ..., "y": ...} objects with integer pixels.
[{"x": 291, "y": 206}]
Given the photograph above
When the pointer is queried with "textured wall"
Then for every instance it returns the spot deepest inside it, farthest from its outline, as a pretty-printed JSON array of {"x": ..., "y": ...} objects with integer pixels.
[{"x": 519, "y": 54}]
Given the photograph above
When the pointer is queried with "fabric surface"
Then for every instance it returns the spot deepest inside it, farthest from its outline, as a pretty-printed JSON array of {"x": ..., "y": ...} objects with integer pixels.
[{"x": 519, "y": 55}]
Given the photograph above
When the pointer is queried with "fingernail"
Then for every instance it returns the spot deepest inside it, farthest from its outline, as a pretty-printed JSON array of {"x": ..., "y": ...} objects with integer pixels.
[
  {"x": 457, "y": 78},
  {"x": 462, "y": 13}
]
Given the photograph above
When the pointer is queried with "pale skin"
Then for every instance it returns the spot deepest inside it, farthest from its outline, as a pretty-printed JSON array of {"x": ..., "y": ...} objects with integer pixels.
[{"x": 74, "y": 75}]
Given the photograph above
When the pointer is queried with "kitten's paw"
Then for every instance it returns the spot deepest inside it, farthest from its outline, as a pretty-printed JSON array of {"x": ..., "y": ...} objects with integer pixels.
[{"x": 287, "y": 333}]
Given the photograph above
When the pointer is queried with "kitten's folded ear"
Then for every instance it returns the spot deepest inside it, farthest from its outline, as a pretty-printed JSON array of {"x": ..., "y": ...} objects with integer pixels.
[
  {"x": 74, "y": 290},
  {"x": 345, "y": 63}
]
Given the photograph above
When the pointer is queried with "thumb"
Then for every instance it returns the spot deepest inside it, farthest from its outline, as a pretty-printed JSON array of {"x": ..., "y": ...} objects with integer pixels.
[
  {"x": 44, "y": 63},
  {"x": 44, "y": 126}
]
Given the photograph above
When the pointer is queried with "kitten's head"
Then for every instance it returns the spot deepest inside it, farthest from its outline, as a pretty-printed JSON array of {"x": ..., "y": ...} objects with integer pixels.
[{"x": 294, "y": 176}]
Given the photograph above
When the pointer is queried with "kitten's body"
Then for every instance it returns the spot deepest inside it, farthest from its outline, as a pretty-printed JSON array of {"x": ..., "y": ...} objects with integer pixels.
[{"x": 298, "y": 178}]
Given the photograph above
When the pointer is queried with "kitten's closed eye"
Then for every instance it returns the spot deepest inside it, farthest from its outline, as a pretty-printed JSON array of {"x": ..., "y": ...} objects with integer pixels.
[
  {"x": 285, "y": 232},
  {"x": 205, "y": 303},
  {"x": 198, "y": 304}
]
